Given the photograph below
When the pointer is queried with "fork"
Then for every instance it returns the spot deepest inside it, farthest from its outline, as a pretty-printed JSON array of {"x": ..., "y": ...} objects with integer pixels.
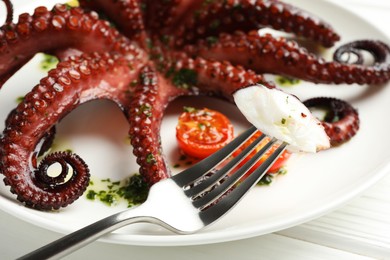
[{"x": 192, "y": 199}]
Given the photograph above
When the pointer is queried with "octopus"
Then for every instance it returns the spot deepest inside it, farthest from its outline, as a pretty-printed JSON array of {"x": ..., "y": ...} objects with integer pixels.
[{"x": 143, "y": 54}]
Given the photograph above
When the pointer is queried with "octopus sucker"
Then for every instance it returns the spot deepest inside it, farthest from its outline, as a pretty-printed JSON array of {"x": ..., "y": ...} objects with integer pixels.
[
  {"x": 41, "y": 109},
  {"x": 142, "y": 56},
  {"x": 215, "y": 17},
  {"x": 266, "y": 54},
  {"x": 127, "y": 15},
  {"x": 145, "y": 120},
  {"x": 59, "y": 31},
  {"x": 153, "y": 93}
]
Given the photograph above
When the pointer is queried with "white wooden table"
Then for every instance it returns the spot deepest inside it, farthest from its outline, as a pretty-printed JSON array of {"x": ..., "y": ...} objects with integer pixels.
[{"x": 359, "y": 230}]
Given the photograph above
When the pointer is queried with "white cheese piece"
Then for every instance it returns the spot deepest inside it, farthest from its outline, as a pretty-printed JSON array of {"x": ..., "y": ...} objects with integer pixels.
[{"x": 283, "y": 116}]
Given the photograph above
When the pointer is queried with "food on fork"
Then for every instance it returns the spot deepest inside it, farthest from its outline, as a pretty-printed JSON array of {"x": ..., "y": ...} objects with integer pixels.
[
  {"x": 282, "y": 116},
  {"x": 156, "y": 52}
]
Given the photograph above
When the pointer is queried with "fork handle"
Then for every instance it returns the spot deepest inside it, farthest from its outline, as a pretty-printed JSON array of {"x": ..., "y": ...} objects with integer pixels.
[{"x": 82, "y": 237}]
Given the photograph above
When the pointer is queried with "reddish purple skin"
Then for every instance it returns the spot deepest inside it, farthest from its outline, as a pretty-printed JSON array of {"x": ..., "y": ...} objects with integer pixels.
[{"x": 156, "y": 52}]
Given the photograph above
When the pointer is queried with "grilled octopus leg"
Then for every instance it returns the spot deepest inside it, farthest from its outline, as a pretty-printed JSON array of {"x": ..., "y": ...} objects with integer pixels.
[
  {"x": 265, "y": 54},
  {"x": 73, "y": 82},
  {"x": 57, "y": 31}
]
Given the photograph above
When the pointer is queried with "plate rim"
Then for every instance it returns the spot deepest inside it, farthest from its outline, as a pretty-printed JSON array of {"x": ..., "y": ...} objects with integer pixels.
[{"x": 220, "y": 236}]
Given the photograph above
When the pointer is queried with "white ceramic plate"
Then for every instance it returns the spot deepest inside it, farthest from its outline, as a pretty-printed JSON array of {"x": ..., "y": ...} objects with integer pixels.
[{"x": 315, "y": 184}]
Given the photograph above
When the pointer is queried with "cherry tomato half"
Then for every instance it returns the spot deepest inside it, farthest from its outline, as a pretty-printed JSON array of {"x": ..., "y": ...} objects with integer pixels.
[
  {"x": 275, "y": 167},
  {"x": 201, "y": 132}
]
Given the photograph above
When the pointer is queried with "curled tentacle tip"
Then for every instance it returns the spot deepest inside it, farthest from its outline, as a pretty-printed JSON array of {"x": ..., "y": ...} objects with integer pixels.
[
  {"x": 341, "y": 121},
  {"x": 71, "y": 165},
  {"x": 353, "y": 52},
  {"x": 10, "y": 11},
  {"x": 71, "y": 178}
]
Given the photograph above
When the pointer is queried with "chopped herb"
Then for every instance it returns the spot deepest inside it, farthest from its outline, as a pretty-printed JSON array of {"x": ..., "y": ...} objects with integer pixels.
[
  {"x": 170, "y": 71},
  {"x": 133, "y": 190},
  {"x": 150, "y": 159},
  {"x": 266, "y": 180},
  {"x": 282, "y": 171},
  {"x": 189, "y": 109},
  {"x": 211, "y": 40},
  {"x": 107, "y": 198},
  {"x": 19, "y": 99},
  {"x": 283, "y": 121},
  {"x": 287, "y": 81},
  {"x": 146, "y": 110},
  {"x": 72, "y": 3},
  {"x": 91, "y": 194},
  {"x": 49, "y": 62},
  {"x": 202, "y": 126},
  {"x": 185, "y": 78},
  {"x": 215, "y": 24},
  {"x": 165, "y": 39}
]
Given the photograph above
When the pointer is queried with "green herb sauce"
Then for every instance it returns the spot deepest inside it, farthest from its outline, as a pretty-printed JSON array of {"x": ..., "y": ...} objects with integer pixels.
[
  {"x": 184, "y": 78},
  {"x": 287, "y": 81},
  {"x": 49, "y": 62},
  {"x": 268, "y": 178},
  {"x": 133, "y": 190},
  {"x": 19, "y": 99},
  {"x": 73, "y": 3}
]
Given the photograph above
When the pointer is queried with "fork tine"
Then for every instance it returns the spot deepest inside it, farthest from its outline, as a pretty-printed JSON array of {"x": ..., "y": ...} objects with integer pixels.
[
  {"x": 221, "y": 173},
  {"x": 212, "y": 195},
  {"x": 203, "y": 167},
  {"x": 214, "y": 212}
]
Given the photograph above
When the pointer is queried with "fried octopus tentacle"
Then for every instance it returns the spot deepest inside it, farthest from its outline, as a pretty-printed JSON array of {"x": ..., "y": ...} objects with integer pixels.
[
  {"x": 379, "y": 51},
  {"x": 127, "y": 15},
  {"x": 56, "y": 30},
  {"x": 215, "y": 17},
  {"x": 72, "y": 83},
  {"x": 151, "y": 96},
  {"x": 10, "y": 11},
  {"x": 211, "y": 77},
  {"x": 157, "y": 61},
  {"x": 341, "y": 122},
  {"x": 163, "y": 14},
  {"x": 265, "y": 54},
  {"x": 153, "y": 93}
]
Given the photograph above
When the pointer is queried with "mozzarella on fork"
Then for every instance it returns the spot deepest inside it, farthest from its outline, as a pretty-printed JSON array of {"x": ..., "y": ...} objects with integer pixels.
[{"x": 283, "y": 116}]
